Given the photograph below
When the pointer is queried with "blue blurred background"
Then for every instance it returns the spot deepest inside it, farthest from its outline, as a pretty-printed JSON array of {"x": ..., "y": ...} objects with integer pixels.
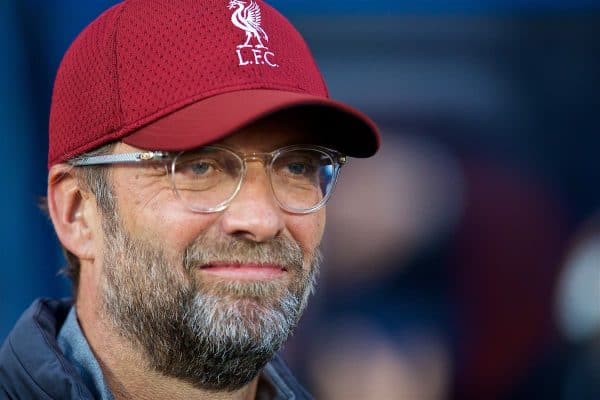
[{"x": 463, "y": 261}]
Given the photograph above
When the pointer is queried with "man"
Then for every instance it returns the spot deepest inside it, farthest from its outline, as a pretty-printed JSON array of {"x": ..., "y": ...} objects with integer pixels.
[{"x": 193, "y": 147}]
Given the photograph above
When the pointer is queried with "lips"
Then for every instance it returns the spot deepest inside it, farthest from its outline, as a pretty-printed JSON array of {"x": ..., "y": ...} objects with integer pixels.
[{"x": 244, "y": 271}]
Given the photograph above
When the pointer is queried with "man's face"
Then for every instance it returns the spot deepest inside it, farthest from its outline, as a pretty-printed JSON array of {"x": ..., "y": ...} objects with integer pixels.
[{"x": 208, "y": 298}]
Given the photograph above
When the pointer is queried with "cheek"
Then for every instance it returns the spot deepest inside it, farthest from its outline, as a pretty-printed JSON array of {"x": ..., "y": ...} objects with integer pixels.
[
  {"x": 307, "y": 230},
  {"x": 175, "y": 229},
  {"x": 163, "y": 220}
]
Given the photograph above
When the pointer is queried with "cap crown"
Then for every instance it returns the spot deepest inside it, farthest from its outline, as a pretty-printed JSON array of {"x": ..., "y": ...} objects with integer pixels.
[{"x": 143, "y": 59}]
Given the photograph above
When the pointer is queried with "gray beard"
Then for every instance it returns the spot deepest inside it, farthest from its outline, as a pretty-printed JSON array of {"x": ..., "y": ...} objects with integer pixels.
[{"x": 214, "y": 335}]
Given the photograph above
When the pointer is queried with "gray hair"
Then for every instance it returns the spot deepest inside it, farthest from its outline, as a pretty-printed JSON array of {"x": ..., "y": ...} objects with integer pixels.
[{"x": 95, "y": 179}]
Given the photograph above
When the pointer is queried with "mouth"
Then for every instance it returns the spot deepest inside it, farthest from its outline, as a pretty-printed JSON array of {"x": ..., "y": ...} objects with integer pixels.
[{"x": 244, "y": 271}]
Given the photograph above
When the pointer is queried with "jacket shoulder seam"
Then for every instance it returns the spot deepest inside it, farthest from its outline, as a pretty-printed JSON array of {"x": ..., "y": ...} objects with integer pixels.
[
  {"x": 57, "y": 355},
  {"x": 16, "y": 356}
]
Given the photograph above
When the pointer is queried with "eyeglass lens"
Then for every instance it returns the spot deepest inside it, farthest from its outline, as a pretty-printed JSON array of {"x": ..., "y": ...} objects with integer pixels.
[{"x": 208, "y": 178}]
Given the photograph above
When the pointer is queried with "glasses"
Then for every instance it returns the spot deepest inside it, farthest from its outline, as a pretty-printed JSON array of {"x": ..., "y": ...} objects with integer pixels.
[{"x": 207, "y": 179}]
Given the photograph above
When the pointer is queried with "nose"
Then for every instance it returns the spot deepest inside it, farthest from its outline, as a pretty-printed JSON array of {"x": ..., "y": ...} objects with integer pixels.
[{"x": 254, "y": 214}]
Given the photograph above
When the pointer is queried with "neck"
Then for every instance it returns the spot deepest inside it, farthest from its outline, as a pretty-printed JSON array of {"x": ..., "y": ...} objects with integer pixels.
[{"x": 125, "y": 369}]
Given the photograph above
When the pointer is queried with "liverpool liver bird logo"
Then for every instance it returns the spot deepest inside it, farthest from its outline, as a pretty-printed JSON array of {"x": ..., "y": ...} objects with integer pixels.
[{"x": 247, "y": 17}]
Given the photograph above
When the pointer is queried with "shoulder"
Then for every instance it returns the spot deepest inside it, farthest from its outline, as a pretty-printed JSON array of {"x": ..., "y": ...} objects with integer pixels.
[{"x": 31, "y": 363}]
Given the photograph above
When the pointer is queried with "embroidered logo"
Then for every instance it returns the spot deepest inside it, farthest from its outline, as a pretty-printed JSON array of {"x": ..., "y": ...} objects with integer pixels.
[{"x": 247, "y": 17}]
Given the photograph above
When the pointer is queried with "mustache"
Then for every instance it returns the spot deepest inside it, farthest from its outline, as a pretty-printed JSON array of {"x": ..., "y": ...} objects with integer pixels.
[{"x": 208, "y": 249}]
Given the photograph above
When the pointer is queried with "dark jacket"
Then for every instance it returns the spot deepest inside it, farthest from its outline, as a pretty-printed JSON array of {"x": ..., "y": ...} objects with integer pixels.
[{"x": 33, "y": 367}]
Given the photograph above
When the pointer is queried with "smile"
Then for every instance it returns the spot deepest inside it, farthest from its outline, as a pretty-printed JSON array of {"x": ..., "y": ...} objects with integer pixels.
[{"x": 245, "y": 271}]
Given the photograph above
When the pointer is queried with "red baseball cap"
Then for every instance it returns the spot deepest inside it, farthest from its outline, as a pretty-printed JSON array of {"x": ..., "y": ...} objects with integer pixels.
[{"x": 191, "y": 72}]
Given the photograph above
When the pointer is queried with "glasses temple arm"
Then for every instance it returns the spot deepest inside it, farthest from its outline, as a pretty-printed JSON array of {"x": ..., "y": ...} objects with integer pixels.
[{"x": 120, "y": 158}]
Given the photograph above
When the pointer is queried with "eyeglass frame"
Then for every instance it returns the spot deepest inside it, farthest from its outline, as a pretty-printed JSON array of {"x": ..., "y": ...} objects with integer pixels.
[{"x": 267, "y": 158}]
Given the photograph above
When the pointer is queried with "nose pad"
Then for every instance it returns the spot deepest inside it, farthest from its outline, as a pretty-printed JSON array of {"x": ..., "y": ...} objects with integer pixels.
[{"x": 254, "y": 214}]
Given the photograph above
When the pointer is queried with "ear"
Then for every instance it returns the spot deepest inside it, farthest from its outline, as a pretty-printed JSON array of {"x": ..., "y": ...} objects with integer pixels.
[{"x": 73, "y": 212}]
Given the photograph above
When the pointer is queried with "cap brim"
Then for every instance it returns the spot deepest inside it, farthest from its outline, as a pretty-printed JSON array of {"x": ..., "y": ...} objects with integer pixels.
[{"x": 339, "y": 126}]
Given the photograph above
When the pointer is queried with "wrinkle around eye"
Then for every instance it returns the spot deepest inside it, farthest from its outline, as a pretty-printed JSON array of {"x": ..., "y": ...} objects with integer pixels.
[
  {"x": 149, "y": 201},
  {"x": 156, "y": 194},
  {"x": 153, "y": 169},
  {"x": 148, "y": 185}
]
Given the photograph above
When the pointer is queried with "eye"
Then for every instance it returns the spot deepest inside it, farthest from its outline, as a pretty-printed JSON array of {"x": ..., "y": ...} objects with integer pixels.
[
  {"x": 298, "y": 164},
  {"x": 200, "y": 168},
  {"x": 297, "y": 168}
]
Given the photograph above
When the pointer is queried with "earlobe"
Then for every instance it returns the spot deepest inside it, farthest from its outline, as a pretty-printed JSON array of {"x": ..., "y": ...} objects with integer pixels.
[{"x": 72, "y": 211}]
